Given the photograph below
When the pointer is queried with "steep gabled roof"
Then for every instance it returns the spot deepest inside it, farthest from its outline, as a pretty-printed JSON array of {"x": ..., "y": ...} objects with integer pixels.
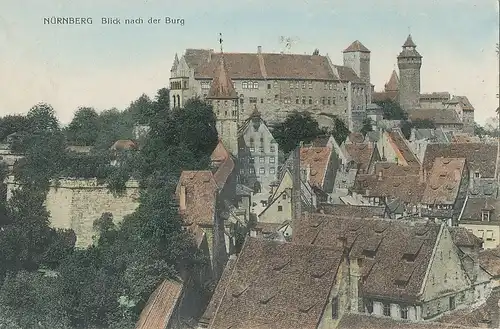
[
  {"x": 480, "y": 157},
  {"x": 201, "y": 193},
  {"x": 463, "y": 101},
  {"x": 160, "y": 306},
  {"x": 444, "y": 181},
  {"x": 356, "y": 46},
  {"x": 317, "y": 158},
  {"x": 399, "y": 142},
  {"x": 277, "y": 286},
  {"x": 360, "y": 153},
  {"x": 365, "y": 321},
  {"x": 224, "y": 163},
  {"x": 393, "y": 83},
  {"x": 222, "y": 85},
  {"x": 385, "y": 246}
]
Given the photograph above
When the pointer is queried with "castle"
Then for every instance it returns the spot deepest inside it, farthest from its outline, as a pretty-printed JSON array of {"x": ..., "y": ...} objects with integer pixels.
[
  {"x": 280, "y": 83},
  {"x": 453, "y": 113}
]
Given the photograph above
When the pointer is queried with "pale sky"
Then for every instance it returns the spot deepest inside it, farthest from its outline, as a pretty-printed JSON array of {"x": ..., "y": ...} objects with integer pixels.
[{"x": 106, "y": 66}]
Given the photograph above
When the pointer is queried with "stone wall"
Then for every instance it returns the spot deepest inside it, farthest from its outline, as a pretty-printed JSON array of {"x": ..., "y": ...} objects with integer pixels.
[{"x": 76, "y": 203}]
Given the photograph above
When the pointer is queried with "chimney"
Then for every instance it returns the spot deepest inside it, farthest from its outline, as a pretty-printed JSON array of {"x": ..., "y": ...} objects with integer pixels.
[
  {"x": 182, "y": 198},
  {"x": 259, "y": 49}
]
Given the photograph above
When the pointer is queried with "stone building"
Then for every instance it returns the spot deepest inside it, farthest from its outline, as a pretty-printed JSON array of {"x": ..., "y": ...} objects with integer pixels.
[
  {"x": 435, "y": 106},
  {"x": 280, "y": 83},
  {"x": 224, "y": 100},
  {"x": 258, "y": 153},
  {"x": 409, "y": 64}
]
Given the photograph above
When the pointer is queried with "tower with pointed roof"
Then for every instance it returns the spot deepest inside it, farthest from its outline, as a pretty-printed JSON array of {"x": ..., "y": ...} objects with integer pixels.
[
  {"x": 224, "y": 100},
  {"x": 409, "y": 63},
  {"x": 357, "y": 57}
]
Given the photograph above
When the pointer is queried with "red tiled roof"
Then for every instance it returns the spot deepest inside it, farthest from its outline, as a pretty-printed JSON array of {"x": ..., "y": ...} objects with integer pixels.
[
  {"x": 387, "y": 243},
  {"x": 444, "y": 181},
  {"x": 160, "y": 306},
  {"x": 277, "y": 286},
  {"x": 266, "y": 66},
  {"x": 318, "y": 159},
  {"x": 201, "y": 191},
  {"x": 398, "y": 140},
  {"x": 360, "y": 153},
  {"x": 356, "y": 46},
  {"x": 224, "y": 163}
]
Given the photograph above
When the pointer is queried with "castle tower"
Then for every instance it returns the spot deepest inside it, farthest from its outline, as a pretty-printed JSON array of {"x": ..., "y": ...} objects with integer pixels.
[
  {"x": 224, "y": 100},
  {"x": 409, "y": 63},
  {"x": 393, "y": 84},
  {"x": 357, "y": 57}
]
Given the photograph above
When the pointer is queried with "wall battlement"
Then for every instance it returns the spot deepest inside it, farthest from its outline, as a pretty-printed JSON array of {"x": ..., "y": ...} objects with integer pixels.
[{"x": 76, "y": 203}]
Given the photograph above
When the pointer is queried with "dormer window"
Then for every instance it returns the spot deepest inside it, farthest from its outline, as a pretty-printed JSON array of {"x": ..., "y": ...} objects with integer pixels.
[{"x": 485, "y": 215}]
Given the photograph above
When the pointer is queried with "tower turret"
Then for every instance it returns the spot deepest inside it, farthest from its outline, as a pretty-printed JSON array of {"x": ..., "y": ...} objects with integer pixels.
[
  {"x": 224, "y": 101},
  {"x": 409, "y": 63},
  {"x": 357, "y": 57}
]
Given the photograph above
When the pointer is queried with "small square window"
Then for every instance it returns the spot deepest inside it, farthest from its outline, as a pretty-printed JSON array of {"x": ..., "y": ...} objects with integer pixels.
[
  {"x": 261, "y": 159},
  {"x": 272, "y": 170},
  {"x": 280, "y": 208},
  {"x": 268, "y": 86},
  {"x": 271, "y": 159},
  {"x": 272, "y": 148},
  {"x": 262, "y": 170}
]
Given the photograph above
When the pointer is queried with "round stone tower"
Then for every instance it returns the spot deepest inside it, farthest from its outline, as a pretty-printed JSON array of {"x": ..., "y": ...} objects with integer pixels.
[{"x": 409, "y": 63}]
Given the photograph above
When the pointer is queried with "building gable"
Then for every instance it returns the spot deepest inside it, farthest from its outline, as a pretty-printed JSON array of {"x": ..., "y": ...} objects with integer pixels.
[{"x": 445, "y": 274}]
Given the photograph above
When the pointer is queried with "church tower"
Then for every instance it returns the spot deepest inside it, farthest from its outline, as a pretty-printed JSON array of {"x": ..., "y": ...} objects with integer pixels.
[
  {"x": 224, "y": 100},
  {"x": 409, "y": 63}
]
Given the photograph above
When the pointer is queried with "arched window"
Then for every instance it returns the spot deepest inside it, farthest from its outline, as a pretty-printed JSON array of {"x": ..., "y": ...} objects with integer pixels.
[
  {"x": 175, "y": 101},
  {"x": 178, "y": 101},
  {"x": 255, "y": 85},
  {"x": 244, "y": 85}
]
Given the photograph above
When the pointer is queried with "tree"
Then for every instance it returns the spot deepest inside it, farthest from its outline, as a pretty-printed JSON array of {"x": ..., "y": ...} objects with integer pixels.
[
  {"x": 12, "y": 124},
  {"x": 392, "y": 110},
  {"x": 297, "y": 127},
  {"x": 142, "y": 110},
  {"x": 316, "y": 52},
  {"x": 367, "y": 126},
  {"x": 114, "y": 125},
  {"x": 340, "y": 131},
  {"x": 84, "y": 128},
  {"x": 42, "y": 117},
  {"x": 162, "y": 100}
]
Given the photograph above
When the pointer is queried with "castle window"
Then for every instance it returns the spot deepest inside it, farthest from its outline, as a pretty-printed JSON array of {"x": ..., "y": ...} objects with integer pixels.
[
  {"x": 268, "y": 86},
  {"x": 251, "y": 159},
  {"x": 303, "y": 84},
  {"x": 345, "y": 98},
  {"x": 241, "y": 100},
  {"x": 297, "y": 100},
  {"x": 234, "y": 84},
  {"x": 280, "y": 208},
  {"x": 244, "y": 85},
  {"x": 261, "y": 159},
  {"x": 477, "y": 174},
  {"x": 255, "y": 85},
  {"x": 262, "y": 100},
  {"x": 326, "y": 85},
  {"x": 404, "y": 312},
  {"x": 272, "y": 170},
  {"x": 185, "y": 84},
  {"x": 445, "y": 277},
  {"x": 323, "y": 100},
  {"x": 297, "y": 85},
  {"x": 387, "y": 309},
  {"x": 329, "y": 101},
  {"x": 330, "y": 86},
  {"x": 252, "y": 100},
  {"x": 234, "y": 113},
  {"x": 261, "y": 149},
  {"x": 333, "y": 100},
  {"x": 225, "y": 113},
  {"x": 271, "y": 160},
  {"x": 272, "y": 148},
  {"x": 304, "y": 100},
  {"x": 345, "y": 89},
  {"x": 284, "y": 196},
  {"x": 262, "y": 170},
  {"x": 310, "y": 85},
  {"x": 485, "y": 216},
  {"x": 310, "y": 100},
  {"x": 292, "y": 85},
  {"x": 251, "y": 170}
]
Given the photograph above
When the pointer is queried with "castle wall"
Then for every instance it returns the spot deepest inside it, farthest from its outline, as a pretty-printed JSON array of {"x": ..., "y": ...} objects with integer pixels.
[
  {"x": 409, "y": 85},
  {"x": 76, "y": 203}
]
